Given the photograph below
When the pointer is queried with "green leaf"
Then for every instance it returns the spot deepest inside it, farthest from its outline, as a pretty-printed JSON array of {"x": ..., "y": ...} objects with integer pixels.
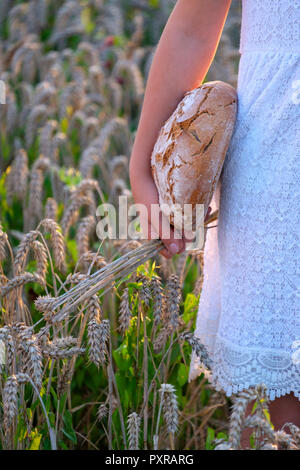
[
  {"x": 122, "y": 357},
  {"x": 119, "y": 40},
  {"x": 268, "y": 417},
  {"x": 29, "y": 413},
  {"x": 209, "y": 439},
  {"x": 72, "y": 249},
  {"x": 52, "y": 418},
  {"x": 70, "y": 435},
  {"x": 69, "y": 176},
  {"x": 86, "y": 19},
  {"x": 254, "y": 407},
  {"x": 62, "y": 402},
  {"x": 182, "y": 375},
  {"x": 252, "y": 440},
  {"x": 190, "y": 307},
  {"x": 135, "y": 285},
  {"x": 35, "y": 443},
  {"x": 53, "y": 393},
  {"x": 64, "y": 124},
  {"x": 154, "y": 3},
  {"x": 4, "y": 148},
  {"x": 176, "y": 353},
  {"x": 68, "y": 428},
  {"x": 62, "y": 445}
]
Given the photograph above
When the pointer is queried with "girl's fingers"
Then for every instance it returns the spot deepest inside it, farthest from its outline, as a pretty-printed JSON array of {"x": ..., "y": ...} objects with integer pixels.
[{"x": 171, "y": 239}]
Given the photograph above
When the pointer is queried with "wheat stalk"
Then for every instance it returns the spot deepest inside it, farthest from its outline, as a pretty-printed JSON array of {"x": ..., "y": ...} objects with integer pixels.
[
  {"x": 125, "y": 312},
  {"x": 102, "y": 279},
  {"x": 133, "y": 427},
  {"x": 158, "y": 300}
]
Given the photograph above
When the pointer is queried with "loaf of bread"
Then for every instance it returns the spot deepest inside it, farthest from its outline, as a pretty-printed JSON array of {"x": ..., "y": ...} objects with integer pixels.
[{"x": 191, "y": 147}]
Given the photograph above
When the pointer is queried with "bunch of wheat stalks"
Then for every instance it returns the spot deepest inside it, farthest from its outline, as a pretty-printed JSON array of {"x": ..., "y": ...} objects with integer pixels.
[{"x": 112, "y": 311}]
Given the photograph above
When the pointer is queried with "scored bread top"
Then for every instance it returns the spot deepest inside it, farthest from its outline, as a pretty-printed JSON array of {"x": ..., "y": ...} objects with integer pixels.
[{"x": 190, "y": 150}]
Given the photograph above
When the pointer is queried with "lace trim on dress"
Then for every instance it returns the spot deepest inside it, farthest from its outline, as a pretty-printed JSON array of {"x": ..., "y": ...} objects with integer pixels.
[{"x": 235, "y": 369}]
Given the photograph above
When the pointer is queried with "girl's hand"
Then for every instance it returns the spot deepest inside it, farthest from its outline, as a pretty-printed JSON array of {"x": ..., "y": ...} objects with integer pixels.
[{"x": 144, "y": 192}]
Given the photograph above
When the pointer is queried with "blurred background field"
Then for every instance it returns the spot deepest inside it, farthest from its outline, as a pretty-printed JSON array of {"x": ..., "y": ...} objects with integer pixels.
[{"x": 114, "y": 374}]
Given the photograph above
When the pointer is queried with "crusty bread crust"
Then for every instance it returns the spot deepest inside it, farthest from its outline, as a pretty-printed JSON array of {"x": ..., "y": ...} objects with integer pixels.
[{"x": 191, "y": 147}]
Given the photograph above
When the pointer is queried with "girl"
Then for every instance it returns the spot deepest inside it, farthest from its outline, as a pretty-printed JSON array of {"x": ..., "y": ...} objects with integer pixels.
[{"x": 249, "y": 311}]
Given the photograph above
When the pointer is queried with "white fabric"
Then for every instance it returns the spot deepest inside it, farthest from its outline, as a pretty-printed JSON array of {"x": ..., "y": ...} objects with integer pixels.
[{"x": 249, "y": 316}]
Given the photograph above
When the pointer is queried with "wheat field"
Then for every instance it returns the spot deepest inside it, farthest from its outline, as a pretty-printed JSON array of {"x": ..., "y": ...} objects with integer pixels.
[{"x": 109, "y": 371}]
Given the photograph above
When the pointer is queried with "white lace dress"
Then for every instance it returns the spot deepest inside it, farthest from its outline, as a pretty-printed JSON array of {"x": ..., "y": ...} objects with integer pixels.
[{"x": 249, "y": 315}]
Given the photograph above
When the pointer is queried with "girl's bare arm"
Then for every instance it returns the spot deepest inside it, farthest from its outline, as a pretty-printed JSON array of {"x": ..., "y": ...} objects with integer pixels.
[{"x": 183, "y": 56}]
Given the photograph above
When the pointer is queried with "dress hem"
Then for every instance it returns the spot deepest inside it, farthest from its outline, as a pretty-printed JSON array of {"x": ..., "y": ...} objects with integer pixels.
[{"x": 231, "y": 390}]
